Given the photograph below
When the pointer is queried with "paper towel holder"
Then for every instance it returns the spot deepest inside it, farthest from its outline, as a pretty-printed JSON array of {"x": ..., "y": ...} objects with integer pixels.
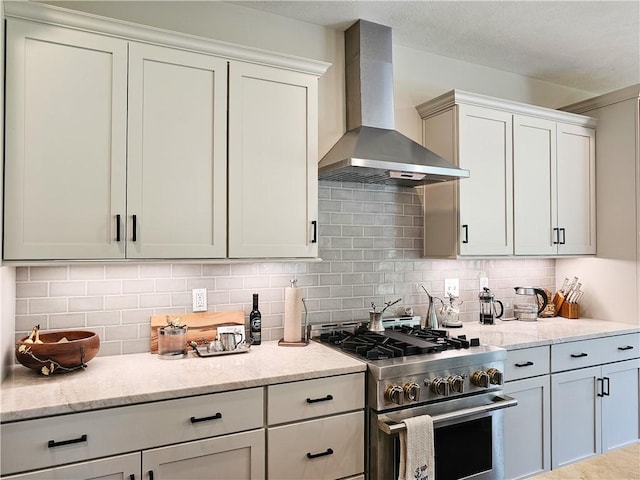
[{"x": 306, "y": 331}]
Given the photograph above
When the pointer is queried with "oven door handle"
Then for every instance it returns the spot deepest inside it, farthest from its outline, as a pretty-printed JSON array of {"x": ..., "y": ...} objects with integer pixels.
[{"x": 499, "y": 402}]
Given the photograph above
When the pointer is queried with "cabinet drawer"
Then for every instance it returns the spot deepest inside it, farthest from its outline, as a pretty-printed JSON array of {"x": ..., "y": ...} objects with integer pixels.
[
  {"x": 314, "y": 398},
  {"x": 586, "y": 353},
  {"x": 70, "y": 438},
  {"x": 325, "y": 448},
  {"x": 527, "y": 362}
]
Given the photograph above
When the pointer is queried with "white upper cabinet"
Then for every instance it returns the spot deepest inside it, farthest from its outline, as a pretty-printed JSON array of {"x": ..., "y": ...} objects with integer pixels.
[
  {"x": 177, "y": 168},
  {"x": 535, "y": 196},
  {"x": 130, "y": 144},
  {"x": 486, "y": 204},
  {"x": 576, "y": 189},
  {"x": 554, "y": 183},
  {"x": 66, "y": 127},
  {"x": 273, "y": 156},
  {"x": 531, "y": 189}
]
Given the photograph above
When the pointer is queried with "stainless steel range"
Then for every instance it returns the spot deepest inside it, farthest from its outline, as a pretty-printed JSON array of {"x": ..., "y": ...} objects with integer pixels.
[{"x": 414, "y": 371}]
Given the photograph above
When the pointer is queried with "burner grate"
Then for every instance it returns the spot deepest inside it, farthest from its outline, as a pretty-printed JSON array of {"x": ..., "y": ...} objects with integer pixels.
[{"x": 397, "y": 342}]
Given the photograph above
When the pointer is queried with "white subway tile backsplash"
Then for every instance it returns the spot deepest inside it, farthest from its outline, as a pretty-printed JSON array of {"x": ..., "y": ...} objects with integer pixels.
[
  {"x": 67, "y": 289},
  {"x": 47, "y": 305},
  {"x": 370, "y": 244}
]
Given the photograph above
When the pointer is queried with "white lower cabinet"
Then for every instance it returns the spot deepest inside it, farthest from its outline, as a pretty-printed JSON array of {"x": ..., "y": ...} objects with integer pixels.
[
  {"x": 527, "y": 427},
  {"x": 121, "y": 467},
  {"x": 594, "y": 408},
  {"x": 231, "y": 457},
  {"x": 316, "y": 428},
  {"x": 217, "y": 436}
]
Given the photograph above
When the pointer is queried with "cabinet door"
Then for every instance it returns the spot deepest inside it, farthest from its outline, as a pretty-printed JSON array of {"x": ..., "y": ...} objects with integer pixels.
[
  {"x": 66, "y": 121},
  {"x": 534, "y": 186},
  {"x": 273, "y": 156},
  {"x": 486, "y": 197},
  {"x": 240, "y": 456},
  {"x": 620, "y": 404},
  {"x": 527, "y": 428},
  {"x": 575, "y": 424},
  {"x": 177, "y": 172},
  {"x": 326, "y": 448},
  {"x": 122, "y": 467},
  {"x": 576, "y": 189}
]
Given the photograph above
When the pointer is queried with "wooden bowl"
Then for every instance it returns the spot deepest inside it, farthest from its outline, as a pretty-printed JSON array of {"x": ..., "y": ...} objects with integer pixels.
[{"x": 56, "y": 354}]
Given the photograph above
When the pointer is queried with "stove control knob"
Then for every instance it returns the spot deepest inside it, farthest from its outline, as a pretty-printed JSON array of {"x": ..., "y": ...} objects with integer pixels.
[
  {"x": 393, "y": 394},
  {"x": 412, "y": 391},
  {"x": 495, "y": 376},
  {"x": 480, "y": 379},
  {"x": 456, "y": 382},
  {"x": 440, "y": 386}
]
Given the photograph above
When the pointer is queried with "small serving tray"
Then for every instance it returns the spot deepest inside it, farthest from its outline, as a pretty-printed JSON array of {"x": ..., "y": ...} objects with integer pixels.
[{"x": 202, "y": 351}]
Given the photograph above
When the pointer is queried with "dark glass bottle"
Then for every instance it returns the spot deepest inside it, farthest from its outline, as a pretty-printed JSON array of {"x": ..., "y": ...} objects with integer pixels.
[{"x": 255, "y": 322}]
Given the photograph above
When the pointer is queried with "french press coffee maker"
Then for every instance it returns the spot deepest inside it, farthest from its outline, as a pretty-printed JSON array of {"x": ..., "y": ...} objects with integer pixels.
[{"x": 488, "y": 312}]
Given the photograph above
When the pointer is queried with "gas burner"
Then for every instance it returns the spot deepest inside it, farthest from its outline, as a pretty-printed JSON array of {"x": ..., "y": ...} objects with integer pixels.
[{"x": 396, "y": 341}]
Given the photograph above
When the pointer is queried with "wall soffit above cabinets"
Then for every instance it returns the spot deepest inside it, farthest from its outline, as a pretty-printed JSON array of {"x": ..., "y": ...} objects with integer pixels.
[{"x": 132, "y": 31}]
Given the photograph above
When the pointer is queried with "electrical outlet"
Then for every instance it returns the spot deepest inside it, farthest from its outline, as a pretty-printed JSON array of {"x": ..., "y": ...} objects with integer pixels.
[
  {"x": 199, "y": 299},
  {"x": 484, "y": 283},
  {"x": 451, "y": 287}
]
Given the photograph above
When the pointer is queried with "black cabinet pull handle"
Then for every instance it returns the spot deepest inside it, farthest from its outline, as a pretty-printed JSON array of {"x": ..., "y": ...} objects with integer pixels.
[
  {"x": 626, "y": 347},
  {"x": 217, "y": 416},
  {"x": 600, "y": 387},
  {"x": 321, "y": 454},
  {"x": 117, "y": 227},
  {"x": 314, "y": 224},
  {"x": 150, "y": 474},
  {"x": 525, "y": 364},
  {"x": 323, "y": 399},
  {"x": 563, "y": 241},
  {"x": 607, "y": 379},
  {"x": 134, "y": 233},
  {"x": 132, "y": 477},
  {"x": 579, "y": 355},
  {"x": 556, "y": 236},
  {"x": 466, "y": 233},
  {"x": 53, "y": 443}
]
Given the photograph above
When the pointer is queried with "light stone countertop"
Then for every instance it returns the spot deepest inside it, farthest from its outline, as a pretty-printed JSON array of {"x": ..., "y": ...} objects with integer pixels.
[
  {"x": 514, "y": 334},
  {"x": 142, "y": 377},
  {"x": 136, "y": 378}
]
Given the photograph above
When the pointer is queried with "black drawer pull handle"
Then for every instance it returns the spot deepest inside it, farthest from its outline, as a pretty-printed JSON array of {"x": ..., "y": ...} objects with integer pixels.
[
  {"x": 150, "y": 474},
  {"x": 323, "y": 399},
  {"x": 134, "y": 235},
  {"x": 321, "y": 454},
  {"x": 217, "y": 416},
  {"x": 600, "y": 387},
  {"x": 117, "y": 227},
  {"x": 579, "y": 355},
  {"x": 132, "y": 477},
  {"x": 525, "y": 364},
  {"x": 466, "y": 233},
  {"x": 53, "y": 443},
  {"x": 314, "y": 223},
  {"x": 627, "y": 347},
  {"x": 556, "y": 236}
]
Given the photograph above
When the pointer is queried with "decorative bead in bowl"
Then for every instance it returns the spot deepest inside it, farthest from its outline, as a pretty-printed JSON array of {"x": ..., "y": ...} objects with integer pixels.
[{"x": 62, "y": 351}]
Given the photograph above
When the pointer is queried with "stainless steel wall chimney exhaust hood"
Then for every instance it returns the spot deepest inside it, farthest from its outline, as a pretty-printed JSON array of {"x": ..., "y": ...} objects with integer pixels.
[{"x": 372, "y": 151}]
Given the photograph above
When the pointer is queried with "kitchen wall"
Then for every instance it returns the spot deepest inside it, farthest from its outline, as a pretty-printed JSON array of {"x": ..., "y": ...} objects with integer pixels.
[{"x": 370, "y": 242}]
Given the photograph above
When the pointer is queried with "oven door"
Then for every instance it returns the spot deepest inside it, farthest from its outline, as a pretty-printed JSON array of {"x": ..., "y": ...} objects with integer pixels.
[{"x": 468, "y": 438}]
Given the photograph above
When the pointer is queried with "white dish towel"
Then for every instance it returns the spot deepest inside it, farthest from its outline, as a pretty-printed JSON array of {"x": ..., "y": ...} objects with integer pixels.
[{"x": 417, "y": 455}]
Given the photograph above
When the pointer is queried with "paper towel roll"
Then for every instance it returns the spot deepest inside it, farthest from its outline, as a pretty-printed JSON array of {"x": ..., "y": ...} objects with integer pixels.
[{"x": 292, "y": 314}]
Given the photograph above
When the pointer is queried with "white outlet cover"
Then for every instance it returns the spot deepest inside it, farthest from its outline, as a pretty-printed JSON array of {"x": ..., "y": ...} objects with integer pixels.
[
  {"x": 199, "y": 299},
  {"x": 452, "y": 286},
  {"x": 484, "y": 282}
]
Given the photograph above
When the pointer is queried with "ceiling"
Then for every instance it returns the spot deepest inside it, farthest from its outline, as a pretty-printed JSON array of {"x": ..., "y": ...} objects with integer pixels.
[{"x": 587, "y": 45}]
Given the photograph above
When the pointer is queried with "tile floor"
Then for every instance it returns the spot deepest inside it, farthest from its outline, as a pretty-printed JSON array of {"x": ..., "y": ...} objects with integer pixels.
[{"x": 620, "y": 464}]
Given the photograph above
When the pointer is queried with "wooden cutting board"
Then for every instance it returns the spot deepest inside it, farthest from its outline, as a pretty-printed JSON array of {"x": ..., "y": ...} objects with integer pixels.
[{"x": 204, "y": 324}]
